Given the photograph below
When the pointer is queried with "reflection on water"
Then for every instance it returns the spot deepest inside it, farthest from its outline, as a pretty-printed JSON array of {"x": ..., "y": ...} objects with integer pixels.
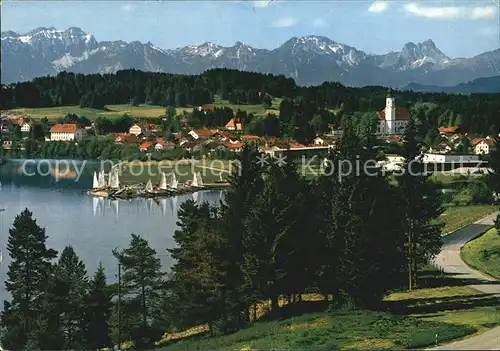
[{"x": 93, "y": 226}]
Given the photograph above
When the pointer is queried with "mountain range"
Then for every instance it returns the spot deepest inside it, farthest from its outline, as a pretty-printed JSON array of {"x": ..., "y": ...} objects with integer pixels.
[{"x": 309, "y": 60}]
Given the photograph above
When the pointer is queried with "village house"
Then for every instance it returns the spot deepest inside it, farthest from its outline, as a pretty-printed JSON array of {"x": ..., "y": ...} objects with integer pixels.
[
  {"x": 392, "y": 120},
  {"x": 448, "y": 131},
  {"x": 146, "y": 145},
  {"x": 207, "y": 108},
  {"x": 483, "y": 146},
  {"x": 443, "y": 147},
  {"x": 251, "y": 138},
  {"x": 7, "y": 144},
  {"x": 223, "y": 135},
  {"x": 135, "y": 130},
  {"x": 318, "y": 141},
  {"x": 26, "y": 127},
  {"x": 234, "y": 124},
  {"x": 234, "y": 146},
  {"x": 126, "y": 138},
  {"x": 202, "y": 133},
  {"x": 164, "y": 145},
  {"x": 67, "y": 132}
]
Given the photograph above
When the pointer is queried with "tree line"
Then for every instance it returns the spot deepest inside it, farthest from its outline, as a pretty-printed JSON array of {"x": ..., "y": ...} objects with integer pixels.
[{"x": 475, "y": 113}]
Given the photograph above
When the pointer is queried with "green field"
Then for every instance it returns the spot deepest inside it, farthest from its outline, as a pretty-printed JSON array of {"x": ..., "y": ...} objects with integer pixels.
[
  {"x": 483, "y": 253},
  {"x": 412, "y": 319},
  {"x": 144, "y": 111},
  {"x": 456, "y": 217},
  {"x": 111, "y": 111},
  {"x": 335, "y": 330}
]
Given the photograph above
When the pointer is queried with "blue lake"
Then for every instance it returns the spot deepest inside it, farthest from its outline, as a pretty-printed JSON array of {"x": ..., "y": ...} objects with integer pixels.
[{"x": 94, "y": 227}]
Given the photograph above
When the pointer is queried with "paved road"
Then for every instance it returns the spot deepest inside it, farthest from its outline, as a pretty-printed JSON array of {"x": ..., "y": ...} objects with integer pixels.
[{"x": 449, "y": 260}]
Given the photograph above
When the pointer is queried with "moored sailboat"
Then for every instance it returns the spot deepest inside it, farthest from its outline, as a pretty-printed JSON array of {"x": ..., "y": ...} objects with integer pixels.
[{"x": 163, "y": 183}]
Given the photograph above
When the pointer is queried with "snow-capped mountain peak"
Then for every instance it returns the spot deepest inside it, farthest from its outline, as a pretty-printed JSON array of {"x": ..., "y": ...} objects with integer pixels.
[{"x": 308, "y": 59}]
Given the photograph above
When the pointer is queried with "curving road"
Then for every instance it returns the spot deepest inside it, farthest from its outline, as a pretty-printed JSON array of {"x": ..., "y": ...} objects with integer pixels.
[{"x": 449, "y": 261}]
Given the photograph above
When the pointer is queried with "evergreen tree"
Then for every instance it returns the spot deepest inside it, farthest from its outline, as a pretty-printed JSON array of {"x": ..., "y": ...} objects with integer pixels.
[
  {"x": 27, "y": 280},
  {"x": 98, "y": 311},
  {"x": 71, "y": 273},
  {"x": 141, "y": 281},
  {"x": 421, "y": 207},
  {"x": 362, "y": 223}
]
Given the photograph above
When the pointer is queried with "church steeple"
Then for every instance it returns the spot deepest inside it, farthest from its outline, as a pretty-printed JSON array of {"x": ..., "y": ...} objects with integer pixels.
[{"x": 389, "y": 93}]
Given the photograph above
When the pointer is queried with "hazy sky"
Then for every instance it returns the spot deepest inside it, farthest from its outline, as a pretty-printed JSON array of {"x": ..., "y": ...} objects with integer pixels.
[{"x": 459, "y": 28}]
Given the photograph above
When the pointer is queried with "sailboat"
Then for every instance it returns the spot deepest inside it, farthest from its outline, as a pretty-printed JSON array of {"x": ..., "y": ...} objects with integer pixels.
[
  {"x": 114, "y": 179},
  {"x": 173, "y": 181},
  {"x": 101, "y": 180},
  {"x": 163, "y": 183},
  {"x": 149, "y": 186},
  {"x": 95, "y": 182},
  {"x": 195, "y": 180},
  {"x": 199, "y": 179}
]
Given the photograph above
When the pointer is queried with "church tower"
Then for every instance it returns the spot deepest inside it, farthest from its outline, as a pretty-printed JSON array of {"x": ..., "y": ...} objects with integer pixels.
[{"x": 390, "y": 112}]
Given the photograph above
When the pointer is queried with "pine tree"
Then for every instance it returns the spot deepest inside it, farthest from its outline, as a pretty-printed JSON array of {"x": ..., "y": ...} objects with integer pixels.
[
  {"x": 71, "y": 272},
  {"x": 421, "y": 207},
  {"x": 141, "y": 280},
  {"x": 27, "y": 279},
  {"x": 98, "y": 311}
]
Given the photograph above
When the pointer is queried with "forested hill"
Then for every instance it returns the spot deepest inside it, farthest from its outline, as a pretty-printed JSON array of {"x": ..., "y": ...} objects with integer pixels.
[{"x": 478, "y": 113}]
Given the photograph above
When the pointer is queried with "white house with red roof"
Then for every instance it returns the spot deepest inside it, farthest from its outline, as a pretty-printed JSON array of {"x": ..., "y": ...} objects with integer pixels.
[
  {"x": 392, "y": 120},
  {"x": 233, "y": 124},
  {"x": 483, "y": 146},
  {"x": 67, "y": 132}
]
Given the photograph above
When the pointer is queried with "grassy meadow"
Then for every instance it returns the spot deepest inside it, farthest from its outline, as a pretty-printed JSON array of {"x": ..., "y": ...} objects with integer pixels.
[
  {"x": 111, "y": 111},
  {"x": 483, "y": 253},
  {"x": 456, "y": 217},
  {"x": 442, "y": 305},
  {"x": 140, "y": 111}
]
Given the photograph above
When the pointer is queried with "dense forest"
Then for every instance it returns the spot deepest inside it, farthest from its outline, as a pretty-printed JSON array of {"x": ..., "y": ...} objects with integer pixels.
[{"x": 475, "y": 113}]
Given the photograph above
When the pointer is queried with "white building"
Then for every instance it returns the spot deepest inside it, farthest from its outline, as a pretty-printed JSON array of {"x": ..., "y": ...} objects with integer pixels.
[
  {"x": 66, "y": 132},
  {"x": 392, "y": 120},
  {"x": 483, "y": 146},
  {"x": 135, "y": 130},
  {"x": 25, "y": 128},
  {"x": 447, "y": 158}
]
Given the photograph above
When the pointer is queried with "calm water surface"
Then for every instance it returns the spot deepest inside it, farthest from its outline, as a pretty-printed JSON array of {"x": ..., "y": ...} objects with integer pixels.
[{"x": 92, "y": 226}]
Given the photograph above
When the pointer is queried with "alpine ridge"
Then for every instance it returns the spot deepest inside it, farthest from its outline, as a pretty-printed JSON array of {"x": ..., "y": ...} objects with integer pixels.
[{"x": 310, "y": 60}]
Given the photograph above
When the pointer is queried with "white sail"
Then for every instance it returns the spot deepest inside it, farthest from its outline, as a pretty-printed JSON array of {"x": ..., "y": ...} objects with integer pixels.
[
  {"x": 149, "y": 186},
  {"x": 114, "y": 177},
  {"x": 195, "y": 196},
  {"x": 195, "y": 180},
  {"x": 174, "y": 182},
  {"x": 200, "y": 180},
  {"x": 101, "y": 180},
  {"x": 95, "y": 182},
  {"x": 163, "y": 183}
]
